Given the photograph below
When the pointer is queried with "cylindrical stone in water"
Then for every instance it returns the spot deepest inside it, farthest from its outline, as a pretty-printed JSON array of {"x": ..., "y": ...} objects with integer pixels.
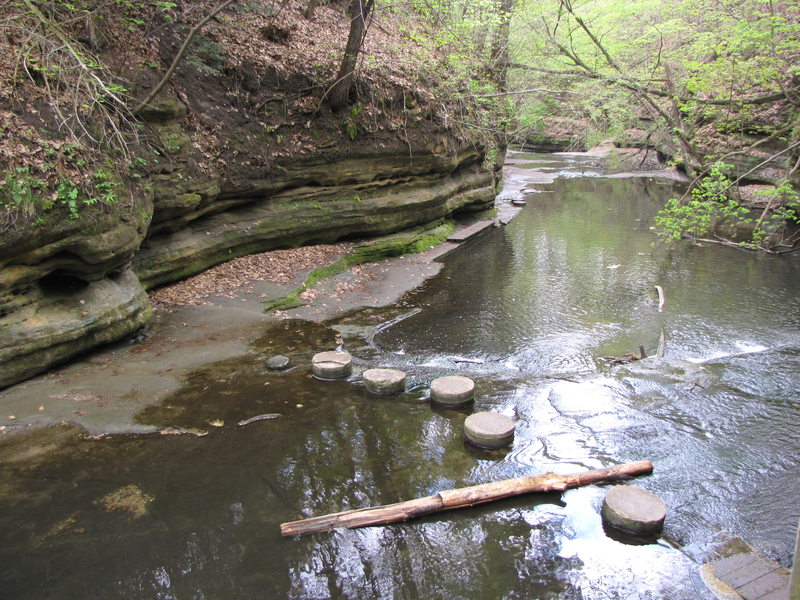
[
  {"x": 332, "y": 365},
  {"x": 384, "y": 381},
  {"x": 277, "y": 363},
  {"x": 489, "y": 430},
  {"x": 453, "y": 390},
  {"x": 634, "y": 510}
]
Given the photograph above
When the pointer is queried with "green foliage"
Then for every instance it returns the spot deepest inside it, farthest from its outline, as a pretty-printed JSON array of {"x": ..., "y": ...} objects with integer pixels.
[
  {"x": 700, "y": 50},
  {"x": 24, "y": 198},
  {"x": 67, "y": 194},
  {"x": 19, "y": 187},
  {"x": 207, "y": 56},
  {"x": 709, "y": 203},
  {"x": 105, "y": 187},
  {"x": 352, "y": 129}
]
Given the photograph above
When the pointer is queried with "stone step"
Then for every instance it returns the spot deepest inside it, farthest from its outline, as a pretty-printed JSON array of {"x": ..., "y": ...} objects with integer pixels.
[
  {"x": 470, "y": 232},
  {"x": 736, "y": 571},
  {"x": 754, "y": 577}
]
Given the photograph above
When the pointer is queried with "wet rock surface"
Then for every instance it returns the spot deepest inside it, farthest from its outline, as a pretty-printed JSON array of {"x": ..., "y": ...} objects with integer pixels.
[
  {"x": 634, "y": 510},
  {"x": 489, "y": 430},
  {"x": 453, "y": 390},
  {"x": 332, "y": 365},
  {"x": 278, "y": 363},
  {"x": 384, "y": 381}
]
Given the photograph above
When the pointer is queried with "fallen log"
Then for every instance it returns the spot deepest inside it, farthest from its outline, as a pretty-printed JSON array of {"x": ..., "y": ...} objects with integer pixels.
[{"x": 461, "y": 498}]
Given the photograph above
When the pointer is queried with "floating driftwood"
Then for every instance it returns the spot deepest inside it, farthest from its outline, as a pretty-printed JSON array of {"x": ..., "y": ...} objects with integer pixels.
[
  {"x": 452, "y": 499},
  {"x": 628, "y": 358},
  {"x": 258, "y": 418},
  {"x": 182, "y": 431},
  {"x": 661, "y": 298}
]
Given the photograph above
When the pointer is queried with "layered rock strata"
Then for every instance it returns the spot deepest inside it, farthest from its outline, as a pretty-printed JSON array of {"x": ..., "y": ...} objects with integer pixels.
[{"x": 69, "y": 285}]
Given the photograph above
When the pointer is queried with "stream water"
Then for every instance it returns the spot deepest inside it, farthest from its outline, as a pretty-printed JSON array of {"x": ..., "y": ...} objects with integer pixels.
[{"x": 527, "y": 311}]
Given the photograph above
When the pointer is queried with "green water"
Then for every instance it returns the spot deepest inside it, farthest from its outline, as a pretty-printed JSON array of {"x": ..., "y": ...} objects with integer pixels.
[{"x": 533, "y": 307}]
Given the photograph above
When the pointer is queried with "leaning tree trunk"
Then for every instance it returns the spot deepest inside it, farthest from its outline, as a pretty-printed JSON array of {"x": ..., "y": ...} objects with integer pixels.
[{"x": 358, "y": 26}]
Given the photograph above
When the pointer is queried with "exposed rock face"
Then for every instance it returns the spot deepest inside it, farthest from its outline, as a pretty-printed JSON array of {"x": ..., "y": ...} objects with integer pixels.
[
  {"x": 200, "y": 224},
  {"x": 64, "y": 322},
  {"x": 68, "y": 285}
]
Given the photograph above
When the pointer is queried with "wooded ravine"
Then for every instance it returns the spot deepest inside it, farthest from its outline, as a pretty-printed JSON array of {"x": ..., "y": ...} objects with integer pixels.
[{"x": 144, "y": 142}]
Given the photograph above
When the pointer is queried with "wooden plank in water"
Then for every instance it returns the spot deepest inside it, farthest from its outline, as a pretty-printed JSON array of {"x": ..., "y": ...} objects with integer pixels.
[
  {"x": 753, "y": 577},
  {"x": 470, "y": 232}
]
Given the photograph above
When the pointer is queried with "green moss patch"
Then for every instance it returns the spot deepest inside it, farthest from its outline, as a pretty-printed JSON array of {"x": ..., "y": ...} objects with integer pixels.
[{"x": 410, "y": 241}]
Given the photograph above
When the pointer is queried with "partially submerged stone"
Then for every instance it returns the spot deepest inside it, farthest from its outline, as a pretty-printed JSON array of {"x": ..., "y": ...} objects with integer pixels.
[
  {"x": 277, "y": 363},
  {"x": 453, "y": 390},
  {"x": 489, "y": 430},
  {"x": 634, "y": 510},
  {"x": 332, "y": 365},
  {"x": 384, "y": 381},
  {"x": 128, "y": 499}
]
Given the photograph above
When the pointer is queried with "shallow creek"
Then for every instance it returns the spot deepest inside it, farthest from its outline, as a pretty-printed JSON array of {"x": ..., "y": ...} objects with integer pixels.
[{"x": 527, "y": 311}]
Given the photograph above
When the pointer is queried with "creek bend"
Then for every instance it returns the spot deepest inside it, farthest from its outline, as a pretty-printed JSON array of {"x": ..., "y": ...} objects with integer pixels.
[{"x": 526, "y": 311}]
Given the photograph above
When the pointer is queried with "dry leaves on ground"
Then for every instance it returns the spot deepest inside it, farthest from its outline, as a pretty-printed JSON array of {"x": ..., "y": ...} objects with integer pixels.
[{"x": 276, "y": 266}]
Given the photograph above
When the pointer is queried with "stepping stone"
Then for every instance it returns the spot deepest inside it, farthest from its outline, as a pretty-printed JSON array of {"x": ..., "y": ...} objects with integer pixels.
[
  {"x": 384, "y": 381},
  {"x": 277, "y": 363},
  {"x": 489, "y": 430},
  {"x": 332, "y": 365},
  {"x": 634, "y": 510},
  {"x": 453, "y": 390}
]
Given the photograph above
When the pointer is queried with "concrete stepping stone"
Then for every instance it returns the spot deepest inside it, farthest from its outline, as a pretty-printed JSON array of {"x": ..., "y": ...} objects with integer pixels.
[
  {"x": 453, "y": 390},
  {"x": 332, "y": 365},
  {"x": 277, "y": 363},
  {"x": 489, "y": 430},
  {"x": 384, "y": 381},
  {"x": 634, "y": 510}
]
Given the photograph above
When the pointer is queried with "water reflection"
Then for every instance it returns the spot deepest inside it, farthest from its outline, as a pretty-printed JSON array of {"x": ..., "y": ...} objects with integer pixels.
[{"x": 526, "y": 311}]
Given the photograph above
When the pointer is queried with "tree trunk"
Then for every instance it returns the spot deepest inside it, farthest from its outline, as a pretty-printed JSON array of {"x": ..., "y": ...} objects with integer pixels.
[
  {"x": 358, "y": 26},
  {"x": 451, "y": 499},
  {"x": 312, "y": 5},
  {"x": 499, "y": 55}
]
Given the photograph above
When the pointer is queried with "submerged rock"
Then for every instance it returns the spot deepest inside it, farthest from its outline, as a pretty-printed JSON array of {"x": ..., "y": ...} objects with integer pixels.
[
  {"x": 128, "y": 499},
  {"x": 278, "y": 363},
  {"x": 671, "y": 370}
]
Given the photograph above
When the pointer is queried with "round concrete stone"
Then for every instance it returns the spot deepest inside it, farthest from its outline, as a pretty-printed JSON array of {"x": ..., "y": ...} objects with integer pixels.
[
  {"x": 277, "y": 363},
  {"x": 489, "y": 430},
  {"x": 453, "y": 390},
  {"x": 332, "y": 365},
  {"x": 634, "y": 510},
  {"x": 384, "y": 381}
]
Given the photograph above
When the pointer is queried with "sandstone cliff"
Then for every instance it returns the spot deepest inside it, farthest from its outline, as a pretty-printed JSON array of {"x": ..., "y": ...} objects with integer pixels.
[{"x": 234, "y": 157}]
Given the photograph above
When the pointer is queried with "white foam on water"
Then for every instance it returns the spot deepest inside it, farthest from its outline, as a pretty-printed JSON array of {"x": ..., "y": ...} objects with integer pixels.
[
  {"x": 750, "y": 348},
  {"x": 743, "y": 347}
]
